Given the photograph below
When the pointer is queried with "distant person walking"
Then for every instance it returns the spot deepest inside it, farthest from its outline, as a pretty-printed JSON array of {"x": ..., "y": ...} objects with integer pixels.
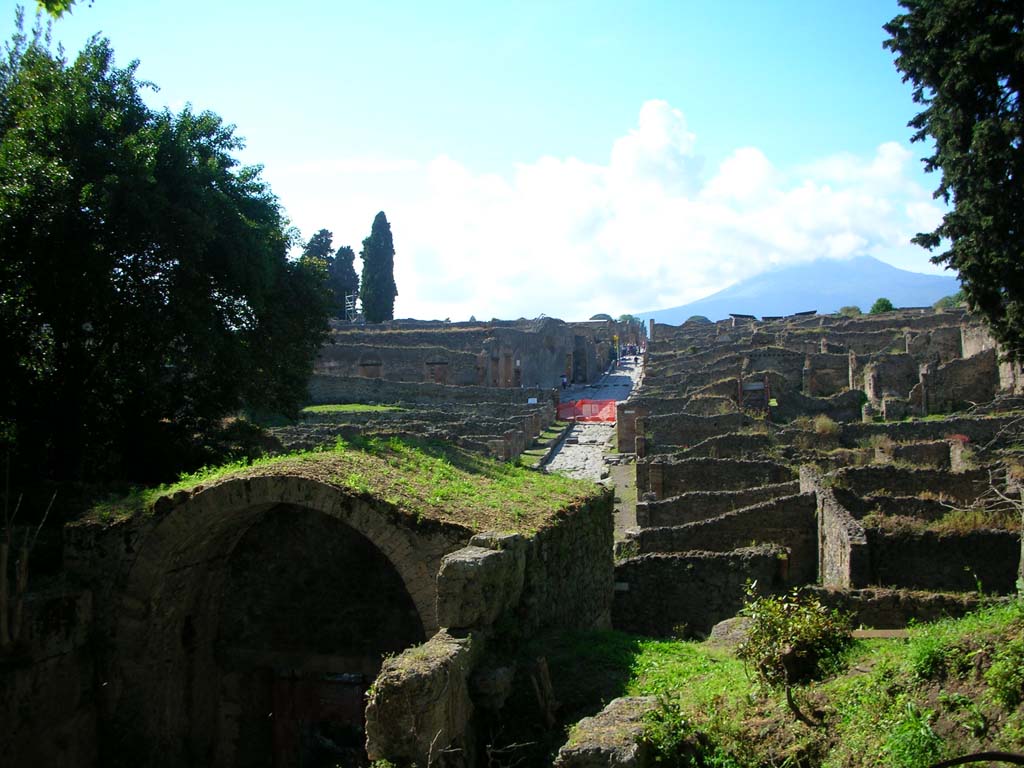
[{"x": 565, "y": 381}]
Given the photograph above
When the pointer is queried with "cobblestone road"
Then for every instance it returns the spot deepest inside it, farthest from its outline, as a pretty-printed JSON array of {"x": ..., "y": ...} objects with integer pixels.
[{"x": 581, "y": 453}]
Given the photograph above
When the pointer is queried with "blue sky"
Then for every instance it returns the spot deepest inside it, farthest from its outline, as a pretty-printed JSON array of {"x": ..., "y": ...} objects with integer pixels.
[{"x": 564, "y": 158}]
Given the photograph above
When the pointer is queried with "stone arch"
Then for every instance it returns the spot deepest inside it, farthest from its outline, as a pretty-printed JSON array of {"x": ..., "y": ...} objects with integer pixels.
[{"x": 164, "y": 679}]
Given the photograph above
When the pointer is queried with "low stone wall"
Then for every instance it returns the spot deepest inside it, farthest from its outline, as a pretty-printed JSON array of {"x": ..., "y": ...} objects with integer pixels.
[
  {"x": 356, "y": 389},
  {"x": 933, "y": 454},
  {"x": 842, "y": 545},
  {"x": 965, "y": 562},
  {"x": 701, "y": 505},
  {"x": 664, "y": 477},
  {"x": 687, "y": 594},
  {"x": 887, "y": 480},
  {"x": 689, "y": 429},
  {"x": 49, "y": 699},
  {"x": 976, "y": 429},
  {"x": 788, "y": 522},
  {"x": 729, "y": 446},
  {"x": 881, "y": 608},
  {"x": 842, "y": 407}
]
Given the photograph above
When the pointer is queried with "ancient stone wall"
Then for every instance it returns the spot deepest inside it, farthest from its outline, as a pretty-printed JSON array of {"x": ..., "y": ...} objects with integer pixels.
[
  {"x": 49, "y": 692},
  {"x": 689, "y": 429},
  {"x": 788, "y": 522},
  {"x": 876, "y": 480},
  {"x": 825, "y": 374},
  {"x": 354, "y": 389},
  {"x": 888, "y": 375},
  {"x": 665, "y": 478},
  {"x": 701, "y": 505},
  {"x": 842, "y": 545},
  {"x": 665, "y": 595},
  {"x": 985, "y": 560},
  {"x": 884, "y": 608},
  {"x": 957, "y": 384}
]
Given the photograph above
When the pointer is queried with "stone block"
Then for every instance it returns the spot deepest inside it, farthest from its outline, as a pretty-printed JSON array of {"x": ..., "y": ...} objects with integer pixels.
[
  {"x": 613, "y": 738},
  {"x": 476, "y": 584},
  {"x": 419, "y": 705}
]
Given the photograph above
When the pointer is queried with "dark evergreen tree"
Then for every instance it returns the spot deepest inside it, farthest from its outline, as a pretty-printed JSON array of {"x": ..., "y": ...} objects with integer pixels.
[
  {"x": 319, "y": 247},
  {"x": 145, "y": 289},
  {"x": 378, "y": 288},
  {"x": 342, "y": 278},
  {"x": 964, "y": 58}
]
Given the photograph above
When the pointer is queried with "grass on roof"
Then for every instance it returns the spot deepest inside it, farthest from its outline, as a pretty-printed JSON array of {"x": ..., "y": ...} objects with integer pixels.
[
  {"x": 423, "y": 479},
  {"x": 350, "y": 408}
]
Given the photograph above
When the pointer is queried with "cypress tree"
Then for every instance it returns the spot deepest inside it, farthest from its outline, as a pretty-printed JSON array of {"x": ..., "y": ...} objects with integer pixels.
[{"x": 377, "y": 291}]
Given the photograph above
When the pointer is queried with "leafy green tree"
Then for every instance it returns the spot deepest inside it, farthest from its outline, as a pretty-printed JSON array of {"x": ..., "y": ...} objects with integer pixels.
[
  {"x": 145, "y": 289},
  {"x": 881, "y": 305},
  {"x": 850, "y": 311},
  {"x": 963, "y": 58},
  {"x": 57, "y": 8},
  {"x": 342, "y": 278},
  {"x": 378, "y": 289},
  {"x": 952, "y": 301}
]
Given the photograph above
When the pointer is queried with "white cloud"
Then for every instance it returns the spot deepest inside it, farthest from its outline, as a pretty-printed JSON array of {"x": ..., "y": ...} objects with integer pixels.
[{"x": 649, "y": 229}]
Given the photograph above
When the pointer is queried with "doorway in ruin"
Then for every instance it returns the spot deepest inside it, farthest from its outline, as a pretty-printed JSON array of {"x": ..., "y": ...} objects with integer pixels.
[{"x": 309, "y": 608}]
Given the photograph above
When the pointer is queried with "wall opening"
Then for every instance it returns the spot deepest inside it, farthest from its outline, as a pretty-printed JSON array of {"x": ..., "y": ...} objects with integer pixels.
[{"x": 309, "y": 608}]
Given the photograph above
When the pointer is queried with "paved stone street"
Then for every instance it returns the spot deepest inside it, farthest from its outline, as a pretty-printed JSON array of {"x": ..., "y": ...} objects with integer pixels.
[{"x": 581, "y": 453}]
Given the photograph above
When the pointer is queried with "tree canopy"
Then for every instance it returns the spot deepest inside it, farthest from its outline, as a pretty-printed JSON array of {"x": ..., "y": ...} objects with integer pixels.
[
  {"x": 881, "y": 305},
  {"x": 378, "y": 289},
  {"x": 145, "y": 289},
  {"x": 963, "y": 58}
]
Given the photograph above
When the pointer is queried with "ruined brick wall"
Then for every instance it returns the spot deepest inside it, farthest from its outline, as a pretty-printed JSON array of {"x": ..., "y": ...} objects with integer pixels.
[
  {"x": 977, "y": 429},
  {"x": 889, "y": 375},
  {"x": 953, "y": 563},
  {"x": 701, "y": 505},
  {"x": 689, "y": 429},
  {"x": 940, "y": 344},
  {"x": 354, "y": 389},
  {"x": 787, "y": 521},
  {"x": 569, "y": 569},
  {"x": 842, "y": 545},
  {"x": 889, "y": 480},
  {"x": 845, "y": 406},
  {"x": 729, "y": 446},
  {"x": 825, "y": 375},
  {"x": 933, "y": 453},
  {"x": 664, "y": 477},
  {"x": 895, "y": 608},
  {"x": 957, "y": 384},
  {"x": 666, "y": 595}
]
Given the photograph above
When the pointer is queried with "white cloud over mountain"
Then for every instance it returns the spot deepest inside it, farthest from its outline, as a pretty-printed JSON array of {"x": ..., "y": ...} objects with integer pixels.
[{"x": 654, "y": 227}]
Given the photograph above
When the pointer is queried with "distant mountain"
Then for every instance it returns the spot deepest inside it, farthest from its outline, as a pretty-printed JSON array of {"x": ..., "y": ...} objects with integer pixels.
[{"x": 824, "y": 285}]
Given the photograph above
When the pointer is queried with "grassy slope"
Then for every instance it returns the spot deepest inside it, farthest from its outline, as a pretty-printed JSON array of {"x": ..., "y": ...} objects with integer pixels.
[
  {"x": 423, "y": 479},
  {"x": 952, "y": 688}
]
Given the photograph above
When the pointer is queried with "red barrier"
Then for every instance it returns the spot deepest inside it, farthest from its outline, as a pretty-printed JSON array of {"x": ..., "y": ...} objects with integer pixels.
[{"x": 587, "y": 410}]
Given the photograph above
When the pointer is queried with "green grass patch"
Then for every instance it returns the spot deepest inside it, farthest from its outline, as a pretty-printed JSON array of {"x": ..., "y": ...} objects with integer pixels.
[
  {"x": 350, "y": 408},
  {"x": 952, "y": 688},
  {"x": 423, "y": 479}
]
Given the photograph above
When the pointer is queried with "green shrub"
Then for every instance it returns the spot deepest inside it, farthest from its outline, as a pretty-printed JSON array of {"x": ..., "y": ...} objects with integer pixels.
[
  {"x": 792, "y": 638},
  {"x": 823, "y": 425}
]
